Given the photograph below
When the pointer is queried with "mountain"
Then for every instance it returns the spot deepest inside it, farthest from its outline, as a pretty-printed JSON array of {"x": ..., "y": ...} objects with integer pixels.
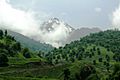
[
  {"x": 53, "y": 24},
  {"x": 62, "y": 33},
  {"x": 56, "y": 31},
  {"x": 30, "y": 43},
  {"x": 82, "y": 32}
]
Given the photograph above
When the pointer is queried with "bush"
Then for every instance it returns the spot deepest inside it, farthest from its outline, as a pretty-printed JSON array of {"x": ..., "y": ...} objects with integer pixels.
[
  {"x": 85, "y": 72},
  {"x": 3, "y": 60}
]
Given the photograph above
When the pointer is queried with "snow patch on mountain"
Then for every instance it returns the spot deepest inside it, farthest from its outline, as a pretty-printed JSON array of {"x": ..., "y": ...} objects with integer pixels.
[{"x": 55, "y": 32}]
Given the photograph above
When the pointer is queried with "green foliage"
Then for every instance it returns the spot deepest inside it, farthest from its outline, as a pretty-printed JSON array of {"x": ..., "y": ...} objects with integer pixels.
[
  {"x": 3, "y": 60},
  {"x": 1, "y": 33},
  {"x": 30, "y": 43},
  {"x": 11, "y": 48},
  {"x": 94, "y": 62},
  {"x": 41, "y": 54},
  {"x": 100, "y": 49},
  {"x": 85, "y": 72},
  {"x": 94, "y": 57},
  {"x": 109, "y": 39},
  {"x": 8, "y": 45},
  {"x": 116, "y": 72},
  {"x": 6, "y": 32},
  {"x": 26, "y": 53},
  {"x": 100, "y": 60},
  {"x": 66, "y": 74}
]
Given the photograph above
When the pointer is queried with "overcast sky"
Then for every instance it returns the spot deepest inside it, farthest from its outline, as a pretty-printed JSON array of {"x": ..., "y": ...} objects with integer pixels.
[{"x": 78, "y": 13}]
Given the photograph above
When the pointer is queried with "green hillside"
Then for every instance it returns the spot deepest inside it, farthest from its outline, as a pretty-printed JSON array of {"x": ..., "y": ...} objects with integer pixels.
[
  {"x": 100, "y": 50},
  {"x": 13, "y": 49},
  {"x": 14, "y": 58},
  {"x": 94, "y": 57},
  {"x": 33, "y": 45}
]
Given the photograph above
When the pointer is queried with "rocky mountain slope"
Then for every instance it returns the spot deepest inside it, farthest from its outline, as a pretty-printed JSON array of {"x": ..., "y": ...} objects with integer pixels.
[{"x": 63, "y": 32}]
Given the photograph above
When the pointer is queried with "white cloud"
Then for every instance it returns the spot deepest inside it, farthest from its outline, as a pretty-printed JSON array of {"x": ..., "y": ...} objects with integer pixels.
[
  {"x": 27, "y": 22},
  {"x": 58, "y": 36},
  {"x": 116, "y": 18},
  {"x": 17, "y": 20}
]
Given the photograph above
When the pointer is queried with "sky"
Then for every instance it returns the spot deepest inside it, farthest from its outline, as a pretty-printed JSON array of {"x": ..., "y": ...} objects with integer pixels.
[{"x": 77, "y": 13}]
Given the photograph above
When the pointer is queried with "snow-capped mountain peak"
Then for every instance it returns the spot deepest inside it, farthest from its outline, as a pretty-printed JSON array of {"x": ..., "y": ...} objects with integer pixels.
[
  {"x": 56, "y": 28},
  {"x": 54, "y": 23}
]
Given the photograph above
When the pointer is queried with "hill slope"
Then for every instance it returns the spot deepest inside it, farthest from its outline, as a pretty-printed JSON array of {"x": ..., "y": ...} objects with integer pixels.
[
  {"x": 100, "y": 50},
  {"x": 110, "y": 40},
  {"x": 30, "y": 43},
  {"x": 94, "y": 57}
]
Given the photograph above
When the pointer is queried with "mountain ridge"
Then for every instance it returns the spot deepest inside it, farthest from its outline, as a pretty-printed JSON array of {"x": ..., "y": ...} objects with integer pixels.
[
  {"x": 56, "y": 33},
  {"x": 30, "y": 43},
  {"x": 67, "y": 32},
  {"x": 82, "y": 32}
]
